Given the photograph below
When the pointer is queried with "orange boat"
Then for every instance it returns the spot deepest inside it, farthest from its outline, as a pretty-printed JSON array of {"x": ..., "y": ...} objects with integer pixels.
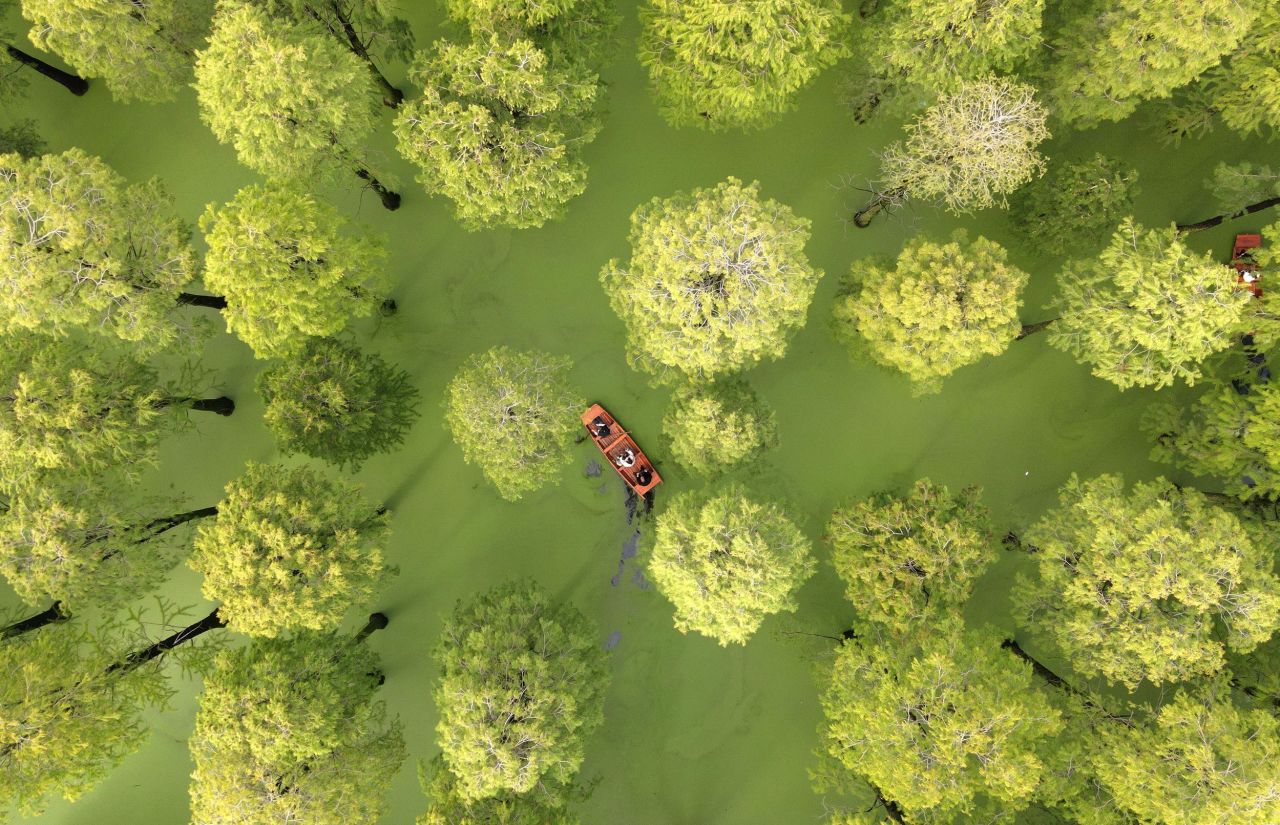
[
  {"x": 620, "y": 448},
  {"x": 1246, "y": 267}
]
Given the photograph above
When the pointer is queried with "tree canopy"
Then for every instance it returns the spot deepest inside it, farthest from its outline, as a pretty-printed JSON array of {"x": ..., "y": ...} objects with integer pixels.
[
  {"x": 736, "y": 65},
  {"x": 290, "y": 549},
  {"x": 1077, "y": 205},
  {"x": 515, "y": 415},
  {"x": 1153, "y": 584},
  {"x": 142, "y": 50},
  {"x": 969, "y": 150},
  {"x": 66, "y": 718},
  {"x": 287, "y": 268},
  {"x": 89, "y": 541},
  {"x": 939, "y": 307},
  {"x": 447, "y": 805},
  {"x": 1113, "y": 54},
  {"x": 909, "y": 562},
  {"x": 727, "y": 560},
  {"x": 295, "y": 103},
  {"x": 947, "y": 730},
  {"x": 70, "y": 407},
  {"x": 719, "y": 426},
  {"x": 521, "y": 687},
  {"x": 81, "y": 248},
  {"x": 289, "y": 731},
  {"x": 1201, "y": 762},
  {"x": 717, "y": 281},
  {"x": 334, "y": 402},
  {"x": 1147, "y": 310},
  {"x": 500, "y": 130}
]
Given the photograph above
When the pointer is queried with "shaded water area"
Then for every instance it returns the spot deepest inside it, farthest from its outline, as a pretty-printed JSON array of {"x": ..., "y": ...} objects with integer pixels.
[{"x": 695, "y": 734}]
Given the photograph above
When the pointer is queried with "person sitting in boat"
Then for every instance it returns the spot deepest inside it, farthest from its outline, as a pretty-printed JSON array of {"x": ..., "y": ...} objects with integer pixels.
[
  {"x": 644, "y": 475},
  {"x": 627, "y": 458},
  {"x": 600, "y": 427}
]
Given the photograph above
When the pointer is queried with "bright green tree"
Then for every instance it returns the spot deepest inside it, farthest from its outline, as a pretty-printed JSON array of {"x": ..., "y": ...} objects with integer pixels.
[
  {"x": 1153, "y": 584},
  {"x": 569, "y": 31},
  {"x": 290, "y": 549},
  {"x": 950, "y": 731},
  {"x": 939, "y": 307},
  {"x": 921, "y": 48},
  {"x": 366, "y": 28},
  {"x": 727, "y": 561},
  {"x": 82, "y": 541},
  {"x": 73, "y": 408},
  {"x": 143, "y": 50},
  {"x": 1225, "y": 434},
  {"x": 69, "y": 710},
  {"x": 1076, "y": 205},
  {"x": 736, "y": 64},
  {"x": 295, "y": 103},
  {"x": 334, "y": 402},
  {"x": 81, "y": 248},
  {"x": 1113, "y": 54},
  {"x": 969, "y": 150},
  {"x": 500, "y": 130},
  {"x": 1202, "y": 762},
  {"x": 717, "y": 281},
  {"x": 716, "y": 427},
  {"x": 1243, "y": 91},
  {"x": 288, "y": 270},
  {"x": 447, "y": 806},
  {"x": 521, "y": 687},
  {"x": 515, "y": 415},
  {"x": 289, "y": 731},
  {"x": 1147, "y": 310},
  {"x": 909, "y": 562}
]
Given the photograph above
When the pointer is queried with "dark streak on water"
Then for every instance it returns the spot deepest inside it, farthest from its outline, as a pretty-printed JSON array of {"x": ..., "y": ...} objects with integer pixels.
[
  {"x": 628, "y": 552},
  {"x": 612, "y": 642}
]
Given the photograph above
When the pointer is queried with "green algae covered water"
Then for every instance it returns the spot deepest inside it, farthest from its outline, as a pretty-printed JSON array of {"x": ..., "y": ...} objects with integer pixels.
[{"x": 695, "y": 734}]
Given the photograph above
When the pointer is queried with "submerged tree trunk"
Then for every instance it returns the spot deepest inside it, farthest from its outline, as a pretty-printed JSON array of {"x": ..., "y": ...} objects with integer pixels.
[
  {"x": 50, "y": 615},
  {"x": 377, "y": 621},
  {"x": 390, "y": 200},
  {"x": 209, "y": 301},
  {"x": 1208, "y": 223},
  {"x": 162, "y": 525},
  {"x": 155, "y": 651},
  {"x": 891, "y": 809},
  {"x": 72, "y": 83},
  {"x": 1032, "y": 329},
  {"x": 1057, "y": 681},
  {"x": 222, "y": 405},
  {"x": 862, "y": 218}
]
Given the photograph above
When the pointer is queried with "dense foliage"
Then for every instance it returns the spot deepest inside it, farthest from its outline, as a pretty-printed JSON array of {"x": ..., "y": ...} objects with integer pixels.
[
  {"x": 939, "y": 307},
  {"x": 287, "y": 269},
  {"x": 1154, "y": 584},
  {"x": 514, "y": 414},
  {"x": 1076, "y": 206},
  {"x": 728, "y": 560},
  {"x": 521, "y": 687},
  {"x": 719, "y": 426},
  {"x": 289, "y": 731},
  {"x": 81, "y": 248},
  {"x": 290, "y": 549},
  {"x": 717, "y": 281},
  {"x": 334, "y": 402},
  {"x": 736, "y": 65}
]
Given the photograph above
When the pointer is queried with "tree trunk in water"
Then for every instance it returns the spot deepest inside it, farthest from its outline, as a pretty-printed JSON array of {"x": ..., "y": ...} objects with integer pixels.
[
  {"x": 72, "y": 83},
  {"x": 221, "y": 405},
  {"x": 161, "y": 525},
  {"x": 891, "y": 808},
  {"x": 390, "y": 200},
  {"x": 51, "y": 615},
  {"x": 1254, "y": 693},
  {"x": 1040, "y": 670},
  {"x": 209, "y": 301},
  {"x": 1032, "y": 329},
  {"x": 1208, "y": 223},
  {"x": 155, "y": 651},
  {"x": 377, "y": 621},
  {"x": 862, "y": 218},
  {"x": 388, "y": 308},
  {"x": 391, "y": 96}
]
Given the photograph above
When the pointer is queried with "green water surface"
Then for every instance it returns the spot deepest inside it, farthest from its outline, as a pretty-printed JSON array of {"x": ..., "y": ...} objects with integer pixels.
[{"x": 695, "y": 734}]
